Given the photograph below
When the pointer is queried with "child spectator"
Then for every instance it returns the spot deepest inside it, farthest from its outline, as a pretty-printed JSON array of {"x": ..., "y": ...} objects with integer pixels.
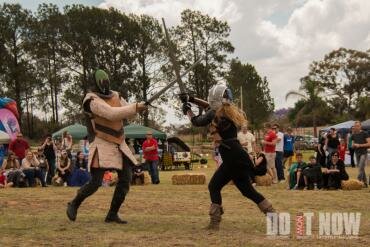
[
  {"x": 107, "y": 179},
  {"x": 312, "y": 174},
  {"x": 294, "y": 173},
  {"x": 138, "y": 174},
  {"x": 3, "y": 180},
  {"x": 342, "y": 149}
]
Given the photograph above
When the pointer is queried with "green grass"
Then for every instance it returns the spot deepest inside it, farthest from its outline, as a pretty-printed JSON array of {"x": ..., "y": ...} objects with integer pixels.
[{"x": 167, "y": 215}]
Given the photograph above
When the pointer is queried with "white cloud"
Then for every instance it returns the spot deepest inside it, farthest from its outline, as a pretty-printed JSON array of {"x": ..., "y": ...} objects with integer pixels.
[
  {"x": 171, "y": 9},
  {"x": 281, "y": 38},
  {"x": 313, "y": 29}
]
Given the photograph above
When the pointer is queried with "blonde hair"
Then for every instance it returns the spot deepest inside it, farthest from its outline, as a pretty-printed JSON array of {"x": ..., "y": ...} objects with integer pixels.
[{"x": 230, "y": 111}]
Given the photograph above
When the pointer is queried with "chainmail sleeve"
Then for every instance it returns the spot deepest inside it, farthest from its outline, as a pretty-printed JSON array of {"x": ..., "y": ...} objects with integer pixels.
[{"x": 203, "y": 120}]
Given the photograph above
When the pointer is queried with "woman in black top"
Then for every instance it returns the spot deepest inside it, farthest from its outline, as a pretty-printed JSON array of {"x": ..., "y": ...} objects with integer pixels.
[
  {"x": 49, "y": 151},
  {"x": 334, "y": 172},
  {"x": 237, "y": 166},
  {"x": 320, "y": 155},
  {"x": 260, "y": 163},
  {"x": 332, "y": 142}
]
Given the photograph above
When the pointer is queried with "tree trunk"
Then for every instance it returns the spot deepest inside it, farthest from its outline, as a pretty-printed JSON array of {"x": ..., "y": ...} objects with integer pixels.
[
  {"x": 28, "y": 117},
  {"x": 52, "y": 90},
  {"x": 196, "y": 79},
  {"x": 314, "y": 124},
  {"x": 55, "y": 89},
  {"x": 145, "y": 90},
  {"x": 16, "y": 82}
]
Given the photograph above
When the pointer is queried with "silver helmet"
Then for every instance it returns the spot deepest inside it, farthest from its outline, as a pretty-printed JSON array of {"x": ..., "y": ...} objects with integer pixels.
[{"x": 219, "y": 94}]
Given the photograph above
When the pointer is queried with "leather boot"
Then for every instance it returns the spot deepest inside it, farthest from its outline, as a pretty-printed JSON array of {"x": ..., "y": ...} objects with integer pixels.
[
  {"x": 266, "y": 207},
  {"x": 73, "y": 206},
  {"x": 215, "y": 212},
  {"x": 113, "y": 217}
]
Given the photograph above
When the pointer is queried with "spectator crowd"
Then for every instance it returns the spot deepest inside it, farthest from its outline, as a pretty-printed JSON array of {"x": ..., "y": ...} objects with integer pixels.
[
  {"x": 54, "y": 163},
  {"x": 325, "y": 170}
]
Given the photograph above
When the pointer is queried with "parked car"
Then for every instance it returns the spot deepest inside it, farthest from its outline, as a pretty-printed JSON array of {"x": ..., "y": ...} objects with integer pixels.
[
  {"x": 179, "y": 155},
  {"x": 305, "y": 142}
]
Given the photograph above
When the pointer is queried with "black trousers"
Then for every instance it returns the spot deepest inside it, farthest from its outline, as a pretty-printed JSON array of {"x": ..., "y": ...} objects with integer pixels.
[
  {"x": 332, "y": 180},
  {"x": 241, "y": 178},
  {"x": 352, "y": 154},
  {"x": 314, "y": 175},
  {"x": 122, "y": 186}
]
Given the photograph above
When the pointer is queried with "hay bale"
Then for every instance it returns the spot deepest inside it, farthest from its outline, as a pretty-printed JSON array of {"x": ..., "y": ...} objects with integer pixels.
[
  {"x": 192, "y": 178},
  {"x": 352, "y": 184},
  {"x": 265, "y": 180}
]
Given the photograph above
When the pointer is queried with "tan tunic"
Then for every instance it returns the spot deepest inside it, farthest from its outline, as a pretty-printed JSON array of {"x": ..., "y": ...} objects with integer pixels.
[{"x": 108, "y": 154}]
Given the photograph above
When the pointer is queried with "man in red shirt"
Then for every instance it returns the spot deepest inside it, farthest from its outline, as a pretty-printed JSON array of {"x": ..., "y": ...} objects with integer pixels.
[
  {"x": 269, "y": 143},
  {"x": 150, "y": 151},
  {"x": 19, "y": 146}
]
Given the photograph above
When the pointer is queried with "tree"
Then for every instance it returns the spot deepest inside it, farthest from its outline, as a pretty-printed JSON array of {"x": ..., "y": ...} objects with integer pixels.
[
  {"x": 14, "y": 29},
  {"x": 201, "y": 36},
  {"x": 45, "y": 46},
  {"x": 344, "y": 74},
  {"x": 97, "y": 38},
  {"x": 310, "y": 93},
  {"x": 256, "y": 101},
  {"x": 149, "y": 56}
]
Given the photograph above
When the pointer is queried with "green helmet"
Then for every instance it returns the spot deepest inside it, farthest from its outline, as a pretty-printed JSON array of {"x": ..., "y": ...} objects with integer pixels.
[{"x": 102, "y": 82}]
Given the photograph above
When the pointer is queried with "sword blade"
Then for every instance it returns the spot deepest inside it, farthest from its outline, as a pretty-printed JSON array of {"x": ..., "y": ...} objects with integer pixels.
[
  {"x": 175, "y": 65},
  {"x": 169, "y": 85}
]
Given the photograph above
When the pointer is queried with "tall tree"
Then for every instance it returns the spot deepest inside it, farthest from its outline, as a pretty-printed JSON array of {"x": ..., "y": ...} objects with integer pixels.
[
  {"x": 310, "y": 94},
  {"x": 256, "y": 98},
  {"x": 97, "y": 38},
  {"x": 344, "y": 73},
  {"x": 149, "y": 56},
  {"x": 46, "y": 50},
  {"x": 14, "y": 62},
  {"x": 201, "y": 36}
]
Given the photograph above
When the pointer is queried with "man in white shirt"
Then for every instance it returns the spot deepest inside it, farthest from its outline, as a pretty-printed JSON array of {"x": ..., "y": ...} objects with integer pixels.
[
  {"x": 279, "y": 149},
  {"x": 247, "y": 139}
]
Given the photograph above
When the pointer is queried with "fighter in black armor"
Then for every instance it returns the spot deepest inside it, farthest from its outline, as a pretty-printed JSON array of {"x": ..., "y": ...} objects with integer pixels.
[{"x": 224, "y": 119}]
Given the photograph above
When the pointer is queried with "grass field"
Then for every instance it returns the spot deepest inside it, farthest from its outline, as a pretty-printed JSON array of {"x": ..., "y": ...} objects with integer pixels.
[{"x": 168, "y": 215}]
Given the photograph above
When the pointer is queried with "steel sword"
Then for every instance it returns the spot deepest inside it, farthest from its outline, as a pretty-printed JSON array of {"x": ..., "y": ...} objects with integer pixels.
[{"x": 169, "y": 85}]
